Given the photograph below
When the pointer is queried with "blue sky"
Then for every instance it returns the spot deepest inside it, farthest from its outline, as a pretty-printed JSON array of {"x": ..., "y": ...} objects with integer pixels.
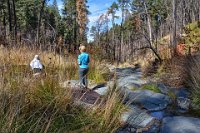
[{"x": 97, "y": 8}]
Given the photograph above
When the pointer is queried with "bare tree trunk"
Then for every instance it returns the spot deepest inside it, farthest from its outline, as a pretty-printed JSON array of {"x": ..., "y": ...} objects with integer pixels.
[
  {"x": 174, "y": 29},
  {"x": 4, "y": 23},
  {"x": 149, "y": 25},
  {"x": 150, "y": 34},
  {"x": 113, "y": 34},
  {"x": 122, "y": 37},
  {"x": 9, "y": 14},
  {"x": 39, "y": 22},
  {"x": 15, "y": 21}
]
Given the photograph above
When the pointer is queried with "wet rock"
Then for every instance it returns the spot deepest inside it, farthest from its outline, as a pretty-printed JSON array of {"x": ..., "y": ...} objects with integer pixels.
[
  {"x": 130, "y": 82},
  {"x": 181, "y": 92},
  {"x": 149, "y": 100},
  {"x": 163, "y": 89},
  {"x": 137, "y": 118},
  {"x": 124, "y": 72},
  {"x": 154, "y": 128},
  {"x": 183, "y": 103},
  {"x": 102, "y": 90},
  {"x": 180, "y": 124},
  {"x": 123, "y": 130},
  {"x": 158, "y": 114}
]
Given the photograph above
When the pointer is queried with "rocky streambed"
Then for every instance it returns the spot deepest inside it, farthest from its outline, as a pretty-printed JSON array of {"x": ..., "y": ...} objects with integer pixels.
[{"x": 160, "y": 110}]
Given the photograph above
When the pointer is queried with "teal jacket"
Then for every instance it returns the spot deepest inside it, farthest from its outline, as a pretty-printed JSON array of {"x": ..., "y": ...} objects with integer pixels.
[{"x": 83, "y": 60}]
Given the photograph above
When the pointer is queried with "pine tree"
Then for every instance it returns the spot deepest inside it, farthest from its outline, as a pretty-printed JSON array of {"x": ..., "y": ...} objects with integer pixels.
[{"x": 82, "y": 19}]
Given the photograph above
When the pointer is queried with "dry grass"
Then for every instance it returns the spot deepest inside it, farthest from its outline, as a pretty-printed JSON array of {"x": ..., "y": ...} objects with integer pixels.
[
  {"x": 194, "y": 81},
  {"x": 173, "y": 72},
  {"x": 35, "y": 105},
  {"x": 24, "y": 55}
]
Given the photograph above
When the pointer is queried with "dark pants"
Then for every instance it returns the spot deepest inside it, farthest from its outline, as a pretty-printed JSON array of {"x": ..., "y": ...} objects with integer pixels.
[
  {"x": 37, "y": 70},
  {"x": 83, "y": 77}
]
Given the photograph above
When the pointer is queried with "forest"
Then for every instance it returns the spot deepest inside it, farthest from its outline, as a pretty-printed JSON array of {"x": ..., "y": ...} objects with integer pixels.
[{"x": 144, "y": 62}]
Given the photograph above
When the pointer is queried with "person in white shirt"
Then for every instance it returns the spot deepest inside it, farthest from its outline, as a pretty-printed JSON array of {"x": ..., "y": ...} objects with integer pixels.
[{"x": 36, "y": 65}]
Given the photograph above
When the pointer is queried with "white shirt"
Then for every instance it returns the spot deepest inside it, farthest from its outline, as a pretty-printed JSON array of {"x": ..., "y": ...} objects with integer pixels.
[{"x": 35, "y": 63}]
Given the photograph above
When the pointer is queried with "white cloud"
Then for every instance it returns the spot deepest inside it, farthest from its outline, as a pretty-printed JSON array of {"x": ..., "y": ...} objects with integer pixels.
[
  {"x": 93, "y": 19},
  {"x": 60, "y": 5}
]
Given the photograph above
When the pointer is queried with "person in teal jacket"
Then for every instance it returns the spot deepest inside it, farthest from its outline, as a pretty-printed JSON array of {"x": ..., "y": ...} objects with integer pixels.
[{"x": 83, "y": 61}]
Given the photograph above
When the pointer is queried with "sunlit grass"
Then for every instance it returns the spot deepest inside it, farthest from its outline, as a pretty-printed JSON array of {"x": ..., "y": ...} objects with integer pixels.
[
  {"x": 151, "y": 87},
  {"x": 30, "y": 104}
]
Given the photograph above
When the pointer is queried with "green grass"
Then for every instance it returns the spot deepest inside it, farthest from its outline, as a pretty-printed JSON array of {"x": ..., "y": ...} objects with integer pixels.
[
  {"x": 172, "y": 95},
  {"x": 151, "y": 87}
]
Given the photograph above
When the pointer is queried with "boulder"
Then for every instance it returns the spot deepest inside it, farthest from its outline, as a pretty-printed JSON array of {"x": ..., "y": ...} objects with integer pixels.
[
  {"x": 158, "y": 114},
  {"x": 70, "y": 84},
  {"x": 137, "y": 118},
  {"x": 183, "y": 103},
  {"x": 124, "y": 72},
  {"x": 181, "y": 92},
  {"x": 148, "y": 99},
  {"x": 102, "y": 90},
  {"x": 180, "y": 124},
  {"x": 130, "y": 82},
  {"x": 163, "y": 88}
]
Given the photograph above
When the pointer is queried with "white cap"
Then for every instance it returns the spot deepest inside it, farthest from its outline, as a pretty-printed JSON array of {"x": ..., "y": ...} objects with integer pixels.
[{"x": 36, "y": 56}]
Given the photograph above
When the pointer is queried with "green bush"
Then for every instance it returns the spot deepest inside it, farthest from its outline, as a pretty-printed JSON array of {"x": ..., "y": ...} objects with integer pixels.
[{"x": 193, "y": 34}]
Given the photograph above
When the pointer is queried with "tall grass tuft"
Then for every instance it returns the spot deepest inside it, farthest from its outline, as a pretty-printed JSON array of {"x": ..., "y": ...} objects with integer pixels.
[
  {"x": 194, "y": 82},
  {"x": 37, "y": 105}
]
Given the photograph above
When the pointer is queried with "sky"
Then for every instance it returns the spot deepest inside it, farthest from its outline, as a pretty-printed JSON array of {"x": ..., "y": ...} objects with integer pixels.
[{"x": 96, "y": 8}]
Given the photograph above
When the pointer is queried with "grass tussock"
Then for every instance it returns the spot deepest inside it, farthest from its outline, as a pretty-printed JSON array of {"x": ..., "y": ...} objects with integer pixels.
[
  {"x": 194, "y": 81},
  {"x": 37, "y": 105},
  {"x": 18, "y": 60},
  {"x": 151, "y": 87}
]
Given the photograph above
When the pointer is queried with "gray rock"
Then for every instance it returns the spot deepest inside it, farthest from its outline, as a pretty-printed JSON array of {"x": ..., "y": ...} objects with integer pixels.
[
  {"x": 158, "y": 114},
  {"x": 112, "y": 68},
  {"x": 137, "y": 118},
  {"x": 124, "y": 72},
  {"x": 102, "y": 90},
  {"x": 181, "y": 92},
  {"x": 163, "y": 89},
  {"x": 122, "y": 131},
  {"x": 126, "y": 129},
  {"x": 70, "y": 84},
  {"x": 183, "y": 103},
  {"x": 130, "y": 82},
  {"x": 148, "y": 99},
  {"x": 180, "y": 124},
  {"x": 154, "y": 128}
]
